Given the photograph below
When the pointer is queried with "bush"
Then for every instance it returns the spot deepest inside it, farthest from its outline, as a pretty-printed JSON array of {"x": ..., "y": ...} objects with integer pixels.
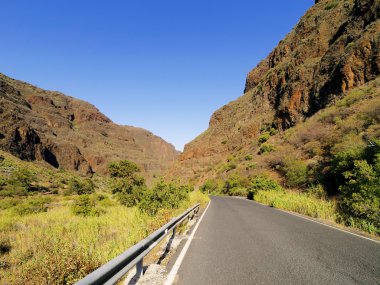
[
  {"x": 264, "y": 137},
  {"x": 265, "y": 148},
  {"x": 235, "y": 185},
  {"x": 248, "y": 157},
  {"x": 238, "y": 191},
  {"x": 164, "y": 196},
  {"x": 331, "y": 5},
  {"x": 86, "y": 186},
  {"x": 361, "y": 192},
  {"x": 123, "y": 169},
  {"x": 5, "y": 246},
  {"x": 355, "y": 171},
  {"x": 32, "y": 206},
  {"x": 317, "y": 191},
  {"x": 85, "y": 206},
  {"x": 296, "y": 172},
  {"x": 272, "y": 131},
  {"x": 19, "y": 183},
  {"x": 251, "y": 166},
  {"x": 230, "y": 166},
  {"x": 210, "y": 186},
  {"x": 262, "y": 183},
  {"x": 7, "y": 203},
  {"x": 127, "y": 186}
]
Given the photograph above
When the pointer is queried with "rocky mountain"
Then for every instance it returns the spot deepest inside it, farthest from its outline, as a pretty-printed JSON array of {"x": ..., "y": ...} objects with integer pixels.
[
  {"x": 333, "y": 49},
  {"x": 72, "y": 134}
]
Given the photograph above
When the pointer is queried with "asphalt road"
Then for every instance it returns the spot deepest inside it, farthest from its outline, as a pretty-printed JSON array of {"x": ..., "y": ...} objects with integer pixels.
[{"x": 243, "y": 242}]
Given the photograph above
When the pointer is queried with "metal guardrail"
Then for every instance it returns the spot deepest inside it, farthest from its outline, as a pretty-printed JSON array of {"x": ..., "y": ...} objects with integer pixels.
[{"x": 114, "y": 270}]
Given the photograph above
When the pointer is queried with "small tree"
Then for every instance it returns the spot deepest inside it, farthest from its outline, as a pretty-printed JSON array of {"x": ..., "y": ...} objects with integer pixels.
[
  {"x": 85, "y": 206},
  {"x": 164, "y": 195},
  {"x": 264, "y": 184},
  {"x": 86, "y": 186},
  {"x": 127, "y": 185},
  {"x": 123, "y": 169}
]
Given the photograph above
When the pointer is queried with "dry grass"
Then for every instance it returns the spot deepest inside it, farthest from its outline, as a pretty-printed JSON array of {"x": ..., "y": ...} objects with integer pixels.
[
  {"x": 57, "y": 247},
  {"x": 299, "y": 203}
]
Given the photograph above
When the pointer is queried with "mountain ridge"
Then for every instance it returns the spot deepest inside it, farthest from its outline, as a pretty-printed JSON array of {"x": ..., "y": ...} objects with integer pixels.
[
  {"x": 333, "y": 49},
  {"x": 73, "y": 134}
]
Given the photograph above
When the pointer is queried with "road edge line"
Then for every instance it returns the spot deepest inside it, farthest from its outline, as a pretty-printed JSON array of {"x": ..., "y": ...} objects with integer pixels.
[
  {"x": 173, "y": 273},
  {"x": 312, "y": 220}
]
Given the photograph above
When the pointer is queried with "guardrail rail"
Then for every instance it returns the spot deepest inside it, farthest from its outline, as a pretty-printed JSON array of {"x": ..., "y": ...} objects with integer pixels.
[{"x": 114, "y": 270}]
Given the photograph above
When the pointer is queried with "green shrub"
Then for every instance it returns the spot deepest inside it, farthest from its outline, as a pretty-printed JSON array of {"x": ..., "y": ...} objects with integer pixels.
[
  {"x": 361, "y": 192},
  {"x": 317, "y": 191},
  {"x": 265, "y": 148},
  {"x": 331, "y": 5},
  {"x": 251, "y": 166},
  {"x": 264, "y": 137},
  {"x": 210, "y": 186},
  {"x": 248, "y": 157},
  {"x": 272, "y": 131},
  {"x": 230, "y": 166},
  {"x": 123, "y": 169},
  {"x": 85, "y": 206},
  {"x": 32, "y": 206},
  {"x": 164, "y": 195},
  {"x": 238, "y": 191},
  {"x": 262, "y": 183},
  {"x": 9, "y": 193},
  {"x": 296, "y": 172},
  {"x": 79, "y": 187},
  {"x": 19, "y": 183},
  {"x": 357, "y": 175},
  {"x": 235, "y": 185},
  {"x": 127, "y": 186},
  {"x": 7, "y": 203}
]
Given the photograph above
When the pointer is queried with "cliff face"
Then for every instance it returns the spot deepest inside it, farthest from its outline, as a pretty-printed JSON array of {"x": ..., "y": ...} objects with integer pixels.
[
  {"x": 72, "y": 134},
  {"x": 334, "y": 48}
]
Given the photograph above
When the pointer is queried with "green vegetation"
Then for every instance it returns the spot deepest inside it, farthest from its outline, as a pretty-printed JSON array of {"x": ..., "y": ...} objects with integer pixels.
[
  {"x": 85, "y": 206},
  {"x": 296, "y": 172},
  {"x": 164, "y": 196},
  {"x": 333, "y": 4},
  {"x": 48, "y": 238},
  {"x": 262, "y": 183},
  {"x": 80, "y": 187},
  {"x": 266, "y": 148},
  {"x": 264, "y": 137},
  {"x": 297, "y": 202},
  {"x": 359, "y": 187},
  {"x": 127, "y": 185},
  {"x": 248, "y": 157},
  {"x": 233, "y": 185}
]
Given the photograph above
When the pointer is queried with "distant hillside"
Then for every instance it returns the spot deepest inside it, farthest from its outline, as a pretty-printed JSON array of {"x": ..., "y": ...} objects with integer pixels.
[
  {"x": 72, "y": 134},
  {"x": 333, "y": 49}
]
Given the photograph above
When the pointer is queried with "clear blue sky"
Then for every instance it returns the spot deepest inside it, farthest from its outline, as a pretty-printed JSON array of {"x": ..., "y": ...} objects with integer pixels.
[{"x": 161, "y": 65}]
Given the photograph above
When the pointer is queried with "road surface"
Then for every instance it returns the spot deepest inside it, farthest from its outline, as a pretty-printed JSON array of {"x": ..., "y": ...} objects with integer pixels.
[{"x": 242, "y": 242}]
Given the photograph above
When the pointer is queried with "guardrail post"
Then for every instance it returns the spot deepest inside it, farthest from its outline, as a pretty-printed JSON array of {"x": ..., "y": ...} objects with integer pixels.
[{"x": 140, "y": 268}]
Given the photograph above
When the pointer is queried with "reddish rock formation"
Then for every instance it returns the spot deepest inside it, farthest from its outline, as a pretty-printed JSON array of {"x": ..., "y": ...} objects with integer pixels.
[
  {"x": 72, "y": 134},
  {"x": 334, "y": 48}
]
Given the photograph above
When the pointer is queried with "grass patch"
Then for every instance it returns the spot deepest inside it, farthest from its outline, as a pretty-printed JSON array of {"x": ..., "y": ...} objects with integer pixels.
[
  {"x": 297, "y": 202},
  {"x": 59, "y": 247}
]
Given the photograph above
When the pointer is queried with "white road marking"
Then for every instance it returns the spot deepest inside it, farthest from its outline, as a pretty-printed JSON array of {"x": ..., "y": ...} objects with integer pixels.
[
  {"x": 312, "y": 220},
  {"x": 173, "y": 273}
]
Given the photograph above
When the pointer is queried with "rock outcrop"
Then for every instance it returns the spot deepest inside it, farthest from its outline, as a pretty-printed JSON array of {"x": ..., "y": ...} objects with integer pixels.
[
  {"x": 72, "y": 134},
  {"x": 334, "y": 48}
]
